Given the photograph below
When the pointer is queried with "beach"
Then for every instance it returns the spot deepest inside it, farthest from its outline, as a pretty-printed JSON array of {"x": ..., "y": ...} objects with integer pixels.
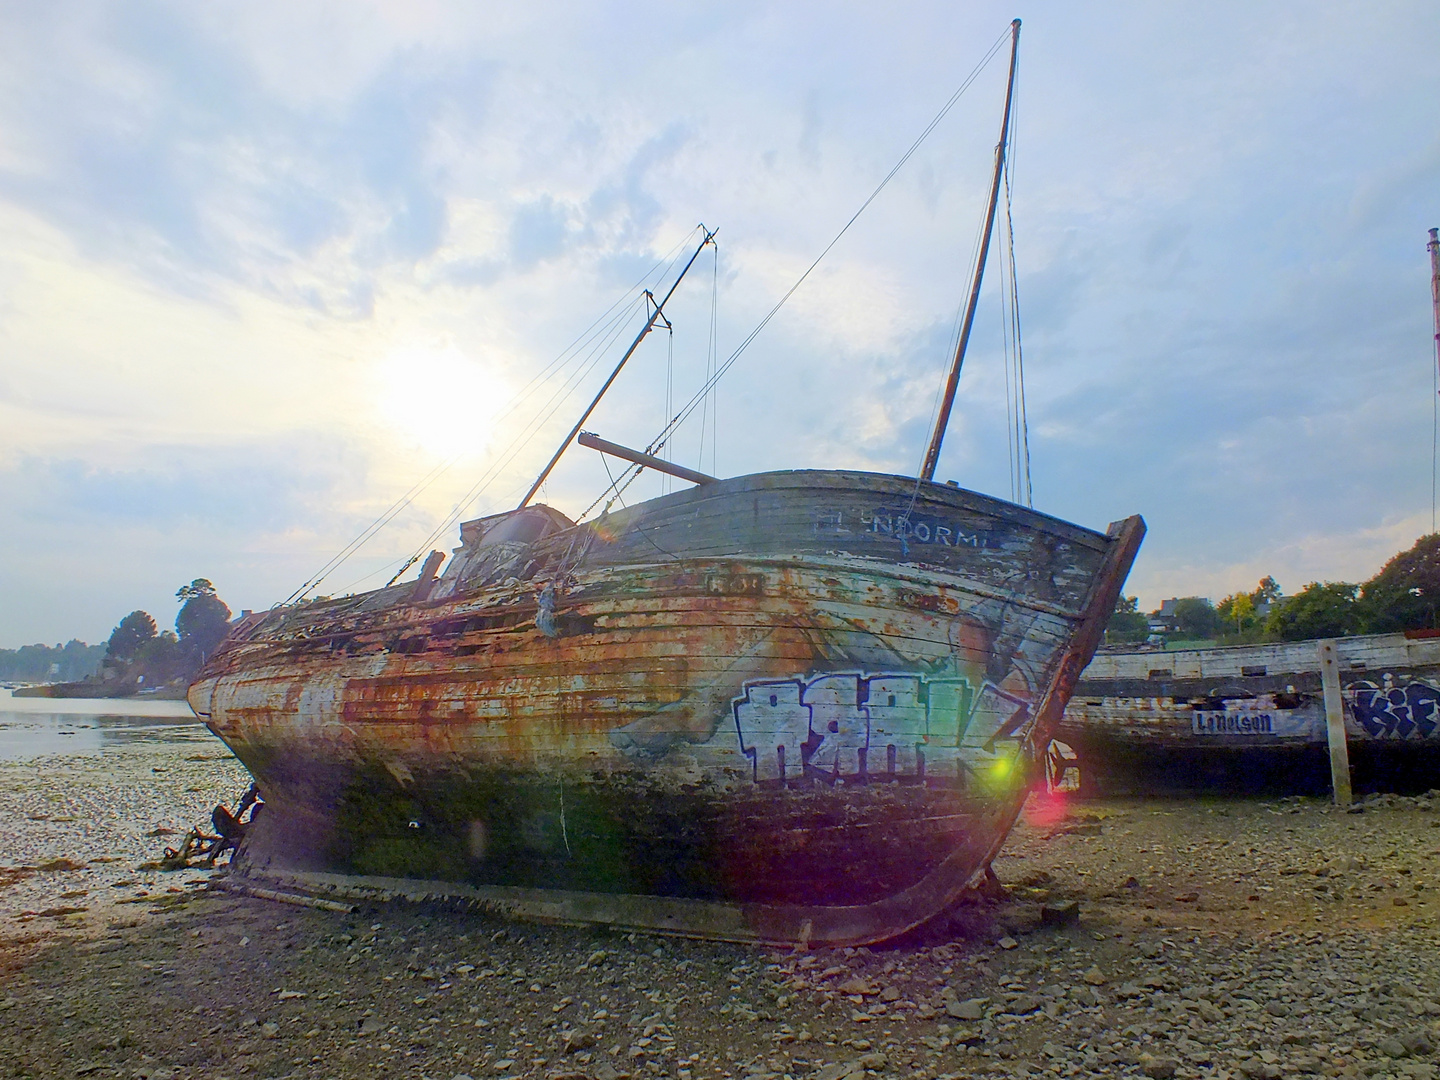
[{"x": 1186, "y": 938}]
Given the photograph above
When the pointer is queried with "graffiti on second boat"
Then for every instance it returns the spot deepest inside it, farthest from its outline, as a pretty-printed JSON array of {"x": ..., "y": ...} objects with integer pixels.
[{"x": 1396, "y": 712}]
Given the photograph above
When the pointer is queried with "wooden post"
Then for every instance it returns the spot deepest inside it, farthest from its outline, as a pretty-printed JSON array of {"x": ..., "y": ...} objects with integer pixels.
[{"x": 1335, "y": 723}]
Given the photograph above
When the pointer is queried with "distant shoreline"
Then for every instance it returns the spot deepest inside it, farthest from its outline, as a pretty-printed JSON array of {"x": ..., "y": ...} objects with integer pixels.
[{"x": 97, "y": 690}]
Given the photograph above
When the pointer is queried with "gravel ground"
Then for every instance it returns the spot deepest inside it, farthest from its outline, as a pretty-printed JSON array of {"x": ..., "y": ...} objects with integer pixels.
[{"x": 1213, "y": 939}]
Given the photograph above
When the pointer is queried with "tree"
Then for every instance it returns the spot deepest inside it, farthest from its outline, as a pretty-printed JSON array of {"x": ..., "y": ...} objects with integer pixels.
[
  {"x": 39, "y": 663},
  {"x": 125, "y": 640},
  {"x": 1405, "y": 594},
  {"x": 1237, "y": 611},
  {"x": 1316, "y": 611},
  {"x": 1267, "y": 592},
  {"x": 203, "y": 621},
  {"x": 1126, "y": 623},
  {"x": 1195, "y": 617}
]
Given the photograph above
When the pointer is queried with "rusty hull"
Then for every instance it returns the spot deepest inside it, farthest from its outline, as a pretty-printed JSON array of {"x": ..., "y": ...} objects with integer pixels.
[{"x": 716, "y": 698}]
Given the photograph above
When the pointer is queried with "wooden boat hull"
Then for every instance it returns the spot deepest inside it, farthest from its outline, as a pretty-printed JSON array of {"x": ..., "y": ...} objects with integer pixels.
[{"x": 815, "y": 699}]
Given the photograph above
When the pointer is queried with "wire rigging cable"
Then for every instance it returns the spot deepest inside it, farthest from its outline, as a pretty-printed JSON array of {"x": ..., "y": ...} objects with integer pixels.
[
  {"x": 603, "y": 332},
  {"x": 589, "y": 346},
  {"x": 665, "y": 480},
  {"x": 1017, "y": 417},
  {"x": 712, "y": 395},
  {"x": 639, "y": 307},
  {"x": 709, "y": 384}
]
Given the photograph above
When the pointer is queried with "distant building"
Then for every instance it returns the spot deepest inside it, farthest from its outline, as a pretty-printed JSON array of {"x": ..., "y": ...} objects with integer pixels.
[
  {"x": 1264, "y": 607},
  {"x": 1164, "y": 621}
]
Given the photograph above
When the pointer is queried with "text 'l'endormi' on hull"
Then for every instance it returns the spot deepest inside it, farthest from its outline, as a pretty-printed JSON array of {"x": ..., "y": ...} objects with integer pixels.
[{"x": 786, "y": 707}]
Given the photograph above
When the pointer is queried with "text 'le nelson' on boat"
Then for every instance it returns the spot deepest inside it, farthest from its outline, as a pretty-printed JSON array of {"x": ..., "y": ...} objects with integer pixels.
[{"x": 800, "y": 706}]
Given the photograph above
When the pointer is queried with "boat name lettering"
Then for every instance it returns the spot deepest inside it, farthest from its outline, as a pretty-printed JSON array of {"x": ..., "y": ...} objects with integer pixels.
[
  {"x": 922, "y": 529},
  {"x": 1232, "y": 722}
]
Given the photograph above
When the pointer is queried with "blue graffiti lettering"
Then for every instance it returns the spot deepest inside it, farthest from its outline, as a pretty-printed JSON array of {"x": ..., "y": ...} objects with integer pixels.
[{"x": 1394, "y": 711}]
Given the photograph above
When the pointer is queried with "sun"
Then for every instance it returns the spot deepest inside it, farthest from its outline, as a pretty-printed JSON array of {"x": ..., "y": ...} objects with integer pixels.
[{"x": 438, "y": 398}]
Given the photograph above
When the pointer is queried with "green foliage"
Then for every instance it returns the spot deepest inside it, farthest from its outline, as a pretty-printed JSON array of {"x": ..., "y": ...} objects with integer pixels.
[
  {"x": 1267, "y": 592},
  {"x": 1237, "y": 613},
  {"x": 1241, "y": 618},
  {"x": 203, "y": 621},
  {"x": 1195, "y": 617},
  {"x": 1126, "y": 624},
  {"x": 1405, "y": 594},
  {"x": 133, "y": 631},
  {"x": 1317, "y": 611},
  {"x": 135, "y": 654},
  {"x": 200, "y": 588},
  {"x": 43, "y": 663}
]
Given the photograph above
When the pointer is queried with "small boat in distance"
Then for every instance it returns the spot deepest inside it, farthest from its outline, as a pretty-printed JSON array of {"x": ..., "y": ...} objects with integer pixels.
[{"x": 788, "y": 707}]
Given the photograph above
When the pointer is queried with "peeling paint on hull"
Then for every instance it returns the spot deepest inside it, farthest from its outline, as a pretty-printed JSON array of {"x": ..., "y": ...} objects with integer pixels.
[{"x": 803, "y": 694}]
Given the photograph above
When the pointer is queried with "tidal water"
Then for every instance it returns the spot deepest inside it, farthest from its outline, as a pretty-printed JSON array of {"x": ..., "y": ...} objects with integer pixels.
[{"x": 35, "y": 727}]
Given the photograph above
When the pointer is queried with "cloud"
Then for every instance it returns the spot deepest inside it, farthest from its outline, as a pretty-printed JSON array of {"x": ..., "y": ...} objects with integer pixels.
[{"x": 217, "y": 223}]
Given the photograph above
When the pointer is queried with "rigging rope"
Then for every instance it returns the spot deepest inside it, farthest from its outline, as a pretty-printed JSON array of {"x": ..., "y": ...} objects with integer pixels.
[
  {"x": 711, "y": 357},
  {"x": 518, "y": 444},
  {"x": 703, "y": 397},
  {"x": 1024, "y": 491},
  {"x": 665, "y": 479},
  {"x": 700, "y": 395},
  {"x": 599, "y": 335}
]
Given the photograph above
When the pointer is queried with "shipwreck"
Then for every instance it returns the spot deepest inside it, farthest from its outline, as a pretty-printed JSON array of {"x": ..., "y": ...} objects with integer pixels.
[{"x": 796, "y": 706}]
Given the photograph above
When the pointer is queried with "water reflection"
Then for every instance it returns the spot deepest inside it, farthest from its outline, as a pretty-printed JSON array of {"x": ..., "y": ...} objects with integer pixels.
[{"x": 34, "y": 727}]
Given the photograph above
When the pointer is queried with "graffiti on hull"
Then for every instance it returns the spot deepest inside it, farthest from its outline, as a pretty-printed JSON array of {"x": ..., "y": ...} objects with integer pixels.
[
  {"x": 1396, "y": 712},
  {"x": 873, "y": 727}
]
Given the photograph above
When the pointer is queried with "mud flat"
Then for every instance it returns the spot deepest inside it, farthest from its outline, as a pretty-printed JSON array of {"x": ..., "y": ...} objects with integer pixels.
[
  {"x": 75, "y": 827},
  {"x": 1205, "y": 939}
]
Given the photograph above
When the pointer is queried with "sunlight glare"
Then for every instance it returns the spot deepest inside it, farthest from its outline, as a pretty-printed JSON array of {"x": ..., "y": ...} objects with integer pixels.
[{"x": 439, "y": 399}]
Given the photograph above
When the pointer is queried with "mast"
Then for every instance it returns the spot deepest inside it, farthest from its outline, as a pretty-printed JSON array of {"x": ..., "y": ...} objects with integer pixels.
[
  {"x": 644, "y": 330},
  {"x": 932, "y": 455},
  {"x": 1434, "y": 249}
]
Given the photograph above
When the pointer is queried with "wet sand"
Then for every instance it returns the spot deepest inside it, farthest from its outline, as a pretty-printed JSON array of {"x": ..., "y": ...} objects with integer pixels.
[{"x": 1214, "y": 938}]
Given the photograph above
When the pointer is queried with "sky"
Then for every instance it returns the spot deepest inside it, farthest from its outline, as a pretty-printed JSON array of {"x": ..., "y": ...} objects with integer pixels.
[{"x": 265, "y": 267}]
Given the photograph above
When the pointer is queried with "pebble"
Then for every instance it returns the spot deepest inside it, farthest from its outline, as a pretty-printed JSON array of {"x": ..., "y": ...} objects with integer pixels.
[
  {"x": 1392, "y": 1047},
  {"x": 1062, "y": 913},
  {"x": 970, "y": 1009},
  {"x": 1160, "y": 1068}
]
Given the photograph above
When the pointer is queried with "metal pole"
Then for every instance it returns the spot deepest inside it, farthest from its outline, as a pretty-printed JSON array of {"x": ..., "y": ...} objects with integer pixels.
[
  {"x": 1434, "y": 249},
  {"x": 932, "y": 455},
  {"x": 649, "y": 325},
  {"x": 650, "y": 461}
]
